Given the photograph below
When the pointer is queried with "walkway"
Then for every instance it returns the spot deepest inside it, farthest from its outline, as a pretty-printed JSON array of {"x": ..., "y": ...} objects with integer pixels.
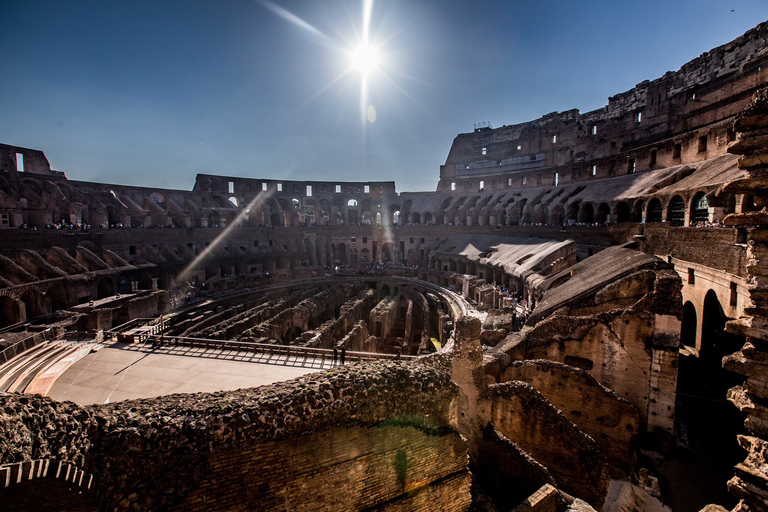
[{"x": 122, "y": 371}]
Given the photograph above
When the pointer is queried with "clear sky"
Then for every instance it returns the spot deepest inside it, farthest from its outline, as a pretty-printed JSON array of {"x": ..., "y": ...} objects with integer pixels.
[{"x": 152, "y": 92}]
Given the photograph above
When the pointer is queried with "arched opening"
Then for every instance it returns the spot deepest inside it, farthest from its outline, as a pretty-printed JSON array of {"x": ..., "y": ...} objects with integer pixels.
[
  {"x": 10, "y": 311},
  {"x": 58, "y": 295},
  {"x": 637, "y": 211},
  {"x": 396, "y": 217},
  {"x": 623, "y": 213},
  {"x": 415, "y": 218},
  {"x": 699, "y": 208},
  {"x": 378, "y": 218},
  {"x": 706, "y": 421},
  {"x": 105, "y": 288},
  {"x": 573, "y": 212},
  {"x": 387, "y": 252},
  {"x": 556, "y": 216},
  {"x": 33, "y": 303},
  {"x": 341, "y": 254},
  {"x": 688, "y": 326},
  {"x": 275, "y": 220},
  {"x": 676, "y": 211},
  {"x": 603, "y": 213},
  {"x": 385, "y": 291},
  {"x": 366, "y": 219},
  {"x": 427, "y": 218},
  {"x": 655, "y": 211},
  {"x": 587, "y": 214}
]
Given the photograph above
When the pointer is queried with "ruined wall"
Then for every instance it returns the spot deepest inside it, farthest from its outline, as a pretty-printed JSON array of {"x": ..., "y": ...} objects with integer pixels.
[
  {"x": 393, "y": 422},
  {"x": 610, "y": 420},
  {"x": 575, "y": 460}
]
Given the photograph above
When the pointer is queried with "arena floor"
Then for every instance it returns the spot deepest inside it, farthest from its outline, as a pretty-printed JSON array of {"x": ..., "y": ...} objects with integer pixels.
[{"x": 120, "y": 371}]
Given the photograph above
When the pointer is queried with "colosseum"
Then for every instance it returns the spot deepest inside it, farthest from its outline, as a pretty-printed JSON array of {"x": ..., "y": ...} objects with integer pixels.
[{"x": 576, "y": 319}]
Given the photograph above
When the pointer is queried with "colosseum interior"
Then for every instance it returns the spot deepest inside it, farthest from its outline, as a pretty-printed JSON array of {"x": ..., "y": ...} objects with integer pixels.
[{"x": 576, "y": 319}]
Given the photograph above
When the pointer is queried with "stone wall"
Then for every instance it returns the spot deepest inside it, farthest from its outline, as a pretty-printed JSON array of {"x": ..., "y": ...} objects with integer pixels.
[
  {"x": 393, "y": 422},
  {"x": 610, "y": 420},
  {"x": 573, "y": 458}
]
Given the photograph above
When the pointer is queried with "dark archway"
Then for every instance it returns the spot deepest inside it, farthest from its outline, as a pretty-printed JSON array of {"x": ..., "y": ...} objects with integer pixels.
[
  {"x": 34, "y": 304},
  {"x": 387, "y": 252},
  {"x": 623, "y": 212},
  {"x": 704, "y": 420},
  {"x": 341, "y": 254},
  {"x": 105, "y": 288},
  {"x": 655, "y": 211},
  {"x": 10, "y": 311},
  {"x": 676, "y": 211},
  {"x": 603, "y": 213},
  {"x": 587, "y": 214},
  {"x": 689, "y": 325},
  {"x": 58, "y": 295},
  {"x": 699, "y": 208}
]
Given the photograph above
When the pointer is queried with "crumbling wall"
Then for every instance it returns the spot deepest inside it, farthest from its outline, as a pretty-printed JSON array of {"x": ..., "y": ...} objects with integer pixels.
[
  {"x": 386, "y": 431},
  {"x": 610, "y": 420},
  {"x": 573, "y": 458}
]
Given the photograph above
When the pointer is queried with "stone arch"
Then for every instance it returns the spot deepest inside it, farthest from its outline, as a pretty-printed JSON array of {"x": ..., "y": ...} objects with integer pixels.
[
  {"x": 587, "y": 213},
  {"x": 34, "y": 302},
  {"x": 388, "y": 252},
  {"x": 105, "y": 288},
  {"x": 557, "y": 215},
  {"x": 655, "y": 210},
  {"x": 427, "y": 218},
  {"x": 689, "y": 325},
  {"x": 712, "y": 324},
  {"x": 572, "y": 215},
  {"x": 415, "y": 218},
  {"x": 623, "y": 212},
  {"x": 157, "y": 197},
  {"x": 637, "y": 211},
  {"x": 11, "y": 311},
  {"x": 699, "y": 208},
  {"x": 676, "y": 211},
  {"x": 603, "y": 213},
  {"x": 58, "y": 295},
  {"x": 341, "y": 253}
]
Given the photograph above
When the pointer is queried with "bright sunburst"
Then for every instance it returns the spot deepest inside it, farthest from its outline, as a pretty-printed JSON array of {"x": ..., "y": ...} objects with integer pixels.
[
  {"x": 364, "y": 53},
  {"x": 365, "y": 58}
]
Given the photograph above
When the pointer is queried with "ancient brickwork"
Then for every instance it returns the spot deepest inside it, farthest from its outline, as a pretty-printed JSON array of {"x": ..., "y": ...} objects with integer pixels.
[
  {"x": 522, "y": 414},
  {"x": 599, "y": 412},
  {"x": 158, "y": 453},
  {"x": 750, "y": 482}
]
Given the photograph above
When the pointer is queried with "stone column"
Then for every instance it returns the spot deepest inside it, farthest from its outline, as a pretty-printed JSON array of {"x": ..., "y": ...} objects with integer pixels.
[
  {"x": 468, "y": 374},
  {"x": 750, "y": 482}
]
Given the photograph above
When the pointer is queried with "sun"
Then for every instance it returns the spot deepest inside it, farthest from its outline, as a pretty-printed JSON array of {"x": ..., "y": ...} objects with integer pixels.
[{"x": 365, "y": 58}]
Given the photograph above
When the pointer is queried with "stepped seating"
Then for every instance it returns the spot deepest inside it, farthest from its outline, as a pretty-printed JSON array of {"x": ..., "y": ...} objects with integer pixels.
[{"x": 35, "y": 370}]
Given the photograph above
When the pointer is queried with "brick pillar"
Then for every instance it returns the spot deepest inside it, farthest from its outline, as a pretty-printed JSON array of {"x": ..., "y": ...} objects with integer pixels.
[
  {"x": 468, "y": 374},
  {"x": 750, "y": 482}
]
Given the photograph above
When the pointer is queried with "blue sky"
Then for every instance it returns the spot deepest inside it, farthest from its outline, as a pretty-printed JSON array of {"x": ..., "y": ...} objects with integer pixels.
[{"x": 153, "y": 92}]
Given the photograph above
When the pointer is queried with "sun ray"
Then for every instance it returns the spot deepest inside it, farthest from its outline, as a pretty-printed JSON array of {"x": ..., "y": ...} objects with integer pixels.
[{"x": 184, "y": 274}]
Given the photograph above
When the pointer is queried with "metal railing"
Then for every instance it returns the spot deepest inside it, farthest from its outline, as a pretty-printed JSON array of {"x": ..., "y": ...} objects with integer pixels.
[{"x": 274, "y": 350}]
